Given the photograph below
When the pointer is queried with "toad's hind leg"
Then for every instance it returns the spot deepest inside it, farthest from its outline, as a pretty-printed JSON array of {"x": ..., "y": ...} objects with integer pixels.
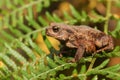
[
  {"x": 108, "y": 47},
  {"x": 79, "y": 53}
]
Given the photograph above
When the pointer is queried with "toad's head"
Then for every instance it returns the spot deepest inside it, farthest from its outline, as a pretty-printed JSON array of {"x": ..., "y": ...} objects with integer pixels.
[{"x": 59, "y": 31}]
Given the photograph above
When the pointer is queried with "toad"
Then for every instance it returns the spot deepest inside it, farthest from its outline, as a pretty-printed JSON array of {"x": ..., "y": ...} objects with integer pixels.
[{"x": 82, "y": 38}]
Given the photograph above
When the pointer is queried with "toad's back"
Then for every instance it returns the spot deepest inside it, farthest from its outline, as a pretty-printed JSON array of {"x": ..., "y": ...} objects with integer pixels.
[{"x": 87, "y": 33}]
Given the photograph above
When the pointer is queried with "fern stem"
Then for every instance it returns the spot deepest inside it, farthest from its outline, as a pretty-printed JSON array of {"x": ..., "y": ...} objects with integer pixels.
[
  {"x": 91, "y": 64},
  {"x": 107, "y": 16},
  {"x": 35, "y": 31},
  {"x": 51, "y": 70}
]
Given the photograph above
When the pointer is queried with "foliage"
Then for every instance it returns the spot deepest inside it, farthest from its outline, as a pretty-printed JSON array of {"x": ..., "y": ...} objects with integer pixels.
[
  {"x": 116, "y": 32},
  {"x": 21, "y": 58}
]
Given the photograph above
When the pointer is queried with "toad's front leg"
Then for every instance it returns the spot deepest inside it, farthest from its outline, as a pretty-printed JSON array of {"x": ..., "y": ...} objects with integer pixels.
[{"x": 79, "y": 53}]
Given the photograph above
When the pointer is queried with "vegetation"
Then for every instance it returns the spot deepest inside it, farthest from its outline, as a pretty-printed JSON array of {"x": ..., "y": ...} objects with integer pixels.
[{"x": 22, "y": 37}]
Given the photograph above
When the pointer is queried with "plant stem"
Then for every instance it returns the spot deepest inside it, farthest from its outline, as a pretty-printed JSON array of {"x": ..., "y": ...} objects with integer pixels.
[
  {"x": 107, "y": 15},
  {"x": 91, "y": 64}
]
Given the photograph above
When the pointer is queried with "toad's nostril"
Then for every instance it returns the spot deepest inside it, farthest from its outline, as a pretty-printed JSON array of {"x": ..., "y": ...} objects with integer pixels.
[{"x": 46, "y": 30}]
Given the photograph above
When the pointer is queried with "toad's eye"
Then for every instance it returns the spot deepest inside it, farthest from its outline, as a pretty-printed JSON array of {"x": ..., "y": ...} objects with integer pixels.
[{"x": 56, "y": 28}]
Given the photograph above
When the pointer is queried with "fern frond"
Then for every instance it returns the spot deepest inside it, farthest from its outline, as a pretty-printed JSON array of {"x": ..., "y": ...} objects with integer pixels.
[
  {"x": 23, "y": 59},
  {"x": 116, "y": 33},
  {"x": 13, "y": 25}
]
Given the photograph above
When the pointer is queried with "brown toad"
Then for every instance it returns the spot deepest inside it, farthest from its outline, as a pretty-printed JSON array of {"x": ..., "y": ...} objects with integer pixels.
[{"x": 83, "y": 38}]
